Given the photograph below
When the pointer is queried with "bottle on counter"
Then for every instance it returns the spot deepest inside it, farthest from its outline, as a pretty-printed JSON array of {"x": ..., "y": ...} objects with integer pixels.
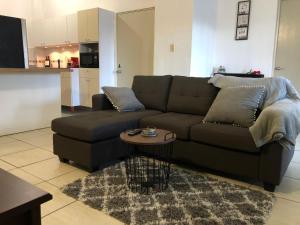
[
  {"x": 47, "y": 61},
  {"x": 69, "y": 65}
]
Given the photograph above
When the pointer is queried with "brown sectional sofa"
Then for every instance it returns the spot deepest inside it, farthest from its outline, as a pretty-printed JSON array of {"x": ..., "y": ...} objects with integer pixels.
[{"x": 178, "y": 104}]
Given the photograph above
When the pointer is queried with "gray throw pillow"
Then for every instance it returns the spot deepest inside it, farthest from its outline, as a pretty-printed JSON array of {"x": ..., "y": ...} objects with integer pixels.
[
  {"x": 236, "y": 105},
  {"x": 123, "y": 99}
]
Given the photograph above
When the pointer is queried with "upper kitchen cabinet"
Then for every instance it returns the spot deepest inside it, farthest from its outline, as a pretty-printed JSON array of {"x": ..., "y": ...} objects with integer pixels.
[
  {"x": 53, "y": 31},
  {"x": 72, "y": 28},
  {"x": 35, "y": 34},
  {"x": 88, "y": 25}
]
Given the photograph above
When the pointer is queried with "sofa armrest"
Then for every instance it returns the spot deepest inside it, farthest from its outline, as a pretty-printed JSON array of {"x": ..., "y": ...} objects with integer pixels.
[
  {"x": 274, "y": 162},
  {"x": 100, "y": 102},
  {"x": 277, "y": 121}
]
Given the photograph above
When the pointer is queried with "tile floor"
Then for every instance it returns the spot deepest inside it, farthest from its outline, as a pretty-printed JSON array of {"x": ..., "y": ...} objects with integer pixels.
[{"x": 29, "y": 156}]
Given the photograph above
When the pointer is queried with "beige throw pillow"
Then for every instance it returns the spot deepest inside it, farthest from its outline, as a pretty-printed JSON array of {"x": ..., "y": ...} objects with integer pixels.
[{"x": 236, "y": 105}]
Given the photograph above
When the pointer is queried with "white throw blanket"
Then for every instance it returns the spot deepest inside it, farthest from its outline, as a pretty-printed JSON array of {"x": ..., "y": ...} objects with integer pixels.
[{"x": 280, "y": 116}]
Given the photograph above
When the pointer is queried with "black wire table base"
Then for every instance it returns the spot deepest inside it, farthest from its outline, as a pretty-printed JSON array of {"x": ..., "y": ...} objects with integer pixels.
[{"x": 145, "y": 172}]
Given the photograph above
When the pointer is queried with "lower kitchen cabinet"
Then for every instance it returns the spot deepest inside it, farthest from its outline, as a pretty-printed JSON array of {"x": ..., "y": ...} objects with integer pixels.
[
  {"x": 89, "y": 83},
  {"x": 70, "y": 88}
]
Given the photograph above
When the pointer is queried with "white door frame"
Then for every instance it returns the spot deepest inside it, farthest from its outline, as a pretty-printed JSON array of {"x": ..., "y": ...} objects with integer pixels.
[{"x": 276, "y": 36}]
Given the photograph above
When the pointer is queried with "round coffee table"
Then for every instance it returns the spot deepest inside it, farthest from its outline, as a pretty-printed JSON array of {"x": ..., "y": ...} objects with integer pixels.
[{"x": 148, "y": 161}]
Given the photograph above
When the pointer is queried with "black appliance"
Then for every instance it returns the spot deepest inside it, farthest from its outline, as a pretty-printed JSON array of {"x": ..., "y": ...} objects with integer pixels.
[{"x": 89, "y": 60}]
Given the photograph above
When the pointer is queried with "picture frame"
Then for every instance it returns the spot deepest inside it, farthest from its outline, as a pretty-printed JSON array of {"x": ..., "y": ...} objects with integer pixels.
[
  {"x": 243, "y": 20},
  {"x": 241, "y": 33},
  {"x": 244, "y": 7}
]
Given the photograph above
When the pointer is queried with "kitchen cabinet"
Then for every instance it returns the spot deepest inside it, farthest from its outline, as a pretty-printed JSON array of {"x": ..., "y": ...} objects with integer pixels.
[
  {"x": 96, "y": 26},
  {"x": 84, "y": 88},
  {"x": 72, "y": 28},
  {"x": 89, "y": 85},
  {"x": 70, "y": 88},
  {"x": 93, "y": 25},
  {"x": 35, "y": 34},
  {"x": 88, "y": 25},
  {"x": 53, "y": 31},
  {"x": 82, "y": 23}
]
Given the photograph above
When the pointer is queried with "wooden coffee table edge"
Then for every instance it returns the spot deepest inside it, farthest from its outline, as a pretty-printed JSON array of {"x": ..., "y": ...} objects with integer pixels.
[{"x": 135, "y": 140}]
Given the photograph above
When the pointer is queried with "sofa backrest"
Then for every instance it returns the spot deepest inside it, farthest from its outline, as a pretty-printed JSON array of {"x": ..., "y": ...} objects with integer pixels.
[
  {"x": 191, "y": 95},
  {"x": 152, "y": 91}
]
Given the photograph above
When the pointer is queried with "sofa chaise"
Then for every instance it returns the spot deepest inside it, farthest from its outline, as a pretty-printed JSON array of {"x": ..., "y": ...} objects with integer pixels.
[{"x": 175, "y": 103}]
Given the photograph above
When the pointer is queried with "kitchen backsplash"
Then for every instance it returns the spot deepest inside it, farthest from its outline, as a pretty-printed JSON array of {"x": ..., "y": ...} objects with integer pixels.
[{"x": 38, "y": 55}]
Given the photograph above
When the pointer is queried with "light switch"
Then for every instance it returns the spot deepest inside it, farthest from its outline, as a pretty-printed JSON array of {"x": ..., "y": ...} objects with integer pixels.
[{"x": 172, "y": 48}]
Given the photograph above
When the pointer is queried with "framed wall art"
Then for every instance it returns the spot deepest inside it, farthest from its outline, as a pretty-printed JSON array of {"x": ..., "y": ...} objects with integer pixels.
[
  {"x": 242, "y": 33},
  {"x": 244, "y": 7},
  {"x": 243, "y": 19}
]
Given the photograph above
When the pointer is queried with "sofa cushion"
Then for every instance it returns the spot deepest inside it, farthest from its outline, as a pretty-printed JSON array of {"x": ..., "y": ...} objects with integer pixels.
[
  {"x": 152, "y": 91},
  {"x": 98, "y": 125},
  {"x": 224, "y": 135},
  {"x": 191, "y": 95},
  {"x": 176, "y": 122}
]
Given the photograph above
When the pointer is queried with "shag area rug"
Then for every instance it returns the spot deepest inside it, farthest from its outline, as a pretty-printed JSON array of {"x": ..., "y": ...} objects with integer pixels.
[{"x": 192, "y": 198}]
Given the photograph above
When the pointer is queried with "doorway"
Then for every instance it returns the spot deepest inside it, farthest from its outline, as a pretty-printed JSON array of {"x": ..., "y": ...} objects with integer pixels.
[
  {"x": 288, "y": 44},
  {"x": 135, "y": 45}
]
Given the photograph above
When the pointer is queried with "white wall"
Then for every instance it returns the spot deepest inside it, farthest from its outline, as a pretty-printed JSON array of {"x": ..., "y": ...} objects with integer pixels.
[
  {"x": 190, "y": 26},
  {"x": 41, "y": 9},
  {"x": 173, "y": 25},
  {"x": 203, "y": 32},
  {"x": 255, "y": 53},
  {"x": 203, "y": 39},
  {"x": 16, "y": 8},
  {"x": 49, "y": 8},
  {"x": 182, "y": 23}
]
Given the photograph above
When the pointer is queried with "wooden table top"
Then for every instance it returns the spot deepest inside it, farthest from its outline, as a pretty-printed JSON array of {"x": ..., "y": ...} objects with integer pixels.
[
  {"x": 17, "y": 196},
  {"x": 141, "y": 140},
  {"x": 33, "y": 70}
]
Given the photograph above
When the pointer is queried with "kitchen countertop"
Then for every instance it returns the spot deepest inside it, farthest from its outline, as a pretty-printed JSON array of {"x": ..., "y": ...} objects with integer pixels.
[{"x": 35, "y": 70}]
